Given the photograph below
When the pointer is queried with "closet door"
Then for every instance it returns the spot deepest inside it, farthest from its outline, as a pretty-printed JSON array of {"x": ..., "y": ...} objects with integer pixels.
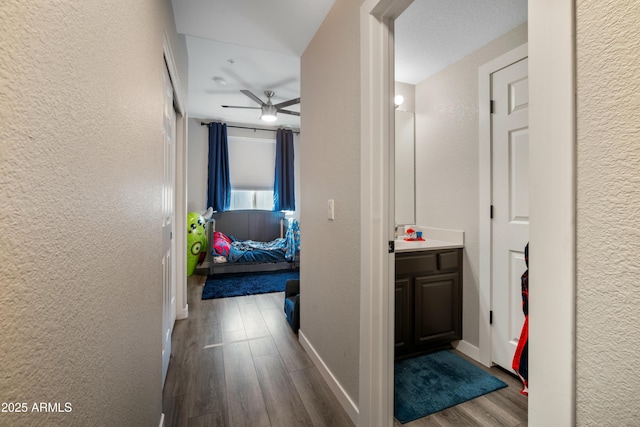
[
  {"x": 168, "y": 224},
  {"x": 510, "y": 189}
]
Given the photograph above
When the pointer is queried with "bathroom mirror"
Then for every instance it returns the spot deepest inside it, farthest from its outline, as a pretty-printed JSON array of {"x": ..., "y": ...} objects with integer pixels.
[{"x": 405, "y": 168}]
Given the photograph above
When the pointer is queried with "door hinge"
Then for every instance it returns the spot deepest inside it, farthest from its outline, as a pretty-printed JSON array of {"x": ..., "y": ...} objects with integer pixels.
[
  {"x": 392, "y": 246},
  {"x": 170, "y": 235},
  {"x": 492, "y": 106},
  {"x": 491, "y": 212},
  {"x": 491, "y": 317}
]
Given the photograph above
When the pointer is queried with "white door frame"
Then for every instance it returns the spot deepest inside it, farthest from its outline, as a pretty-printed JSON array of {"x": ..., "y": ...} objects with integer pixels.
[
  {"x": 552, "y": 200},
  {"x": 375, "y": 407},
  {"x": 180, "y": 185},
  {"x": 485, "y": 169}
]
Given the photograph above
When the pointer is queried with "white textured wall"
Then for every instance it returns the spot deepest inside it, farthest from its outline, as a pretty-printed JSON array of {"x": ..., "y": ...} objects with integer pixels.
[
  {"x": 447, "y": 192},
  {"x": 408, "y": 91},
  {"x": 330, "y": 169},
  {"x": 80, "y": 208},
  {"x": 197, "y": 166},
  {"x": 608, "y": 197}
]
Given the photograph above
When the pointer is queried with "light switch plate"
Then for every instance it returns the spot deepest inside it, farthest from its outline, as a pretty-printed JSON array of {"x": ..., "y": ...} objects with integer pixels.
[{"x": 331, "y": 213}]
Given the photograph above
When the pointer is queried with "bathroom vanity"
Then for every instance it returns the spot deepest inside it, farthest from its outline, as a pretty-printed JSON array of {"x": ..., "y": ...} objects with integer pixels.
[{"x": 428, "y": 295}]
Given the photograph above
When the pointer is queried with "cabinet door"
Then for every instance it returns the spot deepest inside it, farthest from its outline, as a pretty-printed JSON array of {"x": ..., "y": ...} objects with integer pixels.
[
  {"x": 403, "y": 316},
  {"x": 437, "y": 309}
]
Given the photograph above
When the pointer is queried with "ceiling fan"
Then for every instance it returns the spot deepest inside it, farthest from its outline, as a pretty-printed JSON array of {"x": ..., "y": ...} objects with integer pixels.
[{"x": 269, "y": 110}]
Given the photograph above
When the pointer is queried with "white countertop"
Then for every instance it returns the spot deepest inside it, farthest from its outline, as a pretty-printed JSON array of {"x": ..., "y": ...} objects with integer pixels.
[
  {"x": 427, "y": 245},
  {"x": 434, "y": 238}
]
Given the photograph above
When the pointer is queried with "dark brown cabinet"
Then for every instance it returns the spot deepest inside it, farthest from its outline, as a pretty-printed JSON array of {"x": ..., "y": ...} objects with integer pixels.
[{"x": 428, "y": 300}]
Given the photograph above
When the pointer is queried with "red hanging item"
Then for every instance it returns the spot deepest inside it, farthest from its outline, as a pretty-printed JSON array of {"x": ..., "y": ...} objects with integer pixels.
[{"x": 521, "y": 357}]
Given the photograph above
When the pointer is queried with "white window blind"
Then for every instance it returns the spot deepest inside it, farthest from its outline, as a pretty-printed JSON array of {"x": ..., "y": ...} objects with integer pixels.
[
  {"x": 251, "y": 163},
  {"x": 246, "y": 199}
]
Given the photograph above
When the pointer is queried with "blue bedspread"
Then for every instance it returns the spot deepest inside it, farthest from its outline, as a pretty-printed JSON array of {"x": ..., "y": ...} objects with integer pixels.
[
  {"x": 293, "y": 239},
  {"x": 251, "y": 251}
]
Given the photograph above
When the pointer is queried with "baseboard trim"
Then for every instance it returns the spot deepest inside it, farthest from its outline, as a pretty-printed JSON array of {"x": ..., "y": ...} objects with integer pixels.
[
  {"x": 161, "y": 420},
  {"x": 342, "y": 396},
  {"x": 183, "y": 314},
  {"x": 468, "y": 349}
]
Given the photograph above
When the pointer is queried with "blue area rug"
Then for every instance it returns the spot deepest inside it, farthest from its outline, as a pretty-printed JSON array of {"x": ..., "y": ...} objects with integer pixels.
[
  {"x": 432, "y": 382},
  {"x": 236, "y": 284}
]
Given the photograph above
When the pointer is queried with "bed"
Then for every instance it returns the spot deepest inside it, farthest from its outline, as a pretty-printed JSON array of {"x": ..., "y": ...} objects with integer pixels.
[{"x": 252, "y": 241}]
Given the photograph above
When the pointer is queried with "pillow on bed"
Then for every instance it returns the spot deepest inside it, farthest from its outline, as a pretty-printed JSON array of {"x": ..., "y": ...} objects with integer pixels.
[
  {"x": 219, "y": 235},
  {"x": 221, "y": 244}
]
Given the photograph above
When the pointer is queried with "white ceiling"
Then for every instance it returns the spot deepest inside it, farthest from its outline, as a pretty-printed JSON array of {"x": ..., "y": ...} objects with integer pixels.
[
  {"x": 433, "y": 34},
  {"x": 257, "y": 44},
  {"x": 252, "y": 69},
  {"x": 264, "y": 39}
]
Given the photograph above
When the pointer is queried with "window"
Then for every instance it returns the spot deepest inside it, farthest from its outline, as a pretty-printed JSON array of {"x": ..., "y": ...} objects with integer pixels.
[
  {"x": 251, "y": 171},
  {"x": 251, "y": 199}
]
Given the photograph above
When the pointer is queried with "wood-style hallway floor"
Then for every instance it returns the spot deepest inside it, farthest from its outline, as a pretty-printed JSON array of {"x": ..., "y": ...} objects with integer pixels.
[{"x": 236, "y": 362}]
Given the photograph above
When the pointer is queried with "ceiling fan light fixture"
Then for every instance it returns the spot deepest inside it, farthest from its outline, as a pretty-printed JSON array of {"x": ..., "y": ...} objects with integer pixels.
[
  {"x": 268, "y": 113},
  {"x": 220, "y": 81}
]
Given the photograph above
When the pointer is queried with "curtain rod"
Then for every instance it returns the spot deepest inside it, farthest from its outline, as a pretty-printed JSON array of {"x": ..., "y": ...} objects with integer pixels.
[{"x": 297, "y": 132}]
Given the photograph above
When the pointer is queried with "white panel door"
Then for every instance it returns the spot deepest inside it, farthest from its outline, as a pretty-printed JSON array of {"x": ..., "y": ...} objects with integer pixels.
[
  {"x": 168, "y": 226},
  {"x": 510, "y": 200}
]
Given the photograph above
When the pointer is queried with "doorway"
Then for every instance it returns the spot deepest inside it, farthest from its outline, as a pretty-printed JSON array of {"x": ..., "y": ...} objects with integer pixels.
[
  {"x": 447, "y": 148},
  {"x": 552, "y": 200}
]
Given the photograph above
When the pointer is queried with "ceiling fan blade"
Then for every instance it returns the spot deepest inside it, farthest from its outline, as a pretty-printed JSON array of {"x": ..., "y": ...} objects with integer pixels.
[
  {"x": 293, "y": 113},
  {"x": 237, "y": 106},
  {"x": 252, "y": 96},
  {"x": 287, "y": 103}
]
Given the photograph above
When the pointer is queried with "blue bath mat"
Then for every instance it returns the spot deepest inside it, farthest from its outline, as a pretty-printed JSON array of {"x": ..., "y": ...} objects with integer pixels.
[{"x": 432, "y": 382}]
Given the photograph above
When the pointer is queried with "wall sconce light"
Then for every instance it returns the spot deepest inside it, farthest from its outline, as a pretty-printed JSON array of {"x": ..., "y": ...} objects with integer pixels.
[{"x": 398, "y": 100}]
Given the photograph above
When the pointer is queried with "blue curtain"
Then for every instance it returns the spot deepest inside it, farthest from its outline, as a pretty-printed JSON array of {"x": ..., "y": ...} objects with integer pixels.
[
  {"x": 219, "y": 190},
  {"x": 284, "y": 187}
]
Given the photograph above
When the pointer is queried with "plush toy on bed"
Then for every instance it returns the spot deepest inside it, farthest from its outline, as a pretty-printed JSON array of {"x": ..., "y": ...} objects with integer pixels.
[{"x": 196, "y": 239}]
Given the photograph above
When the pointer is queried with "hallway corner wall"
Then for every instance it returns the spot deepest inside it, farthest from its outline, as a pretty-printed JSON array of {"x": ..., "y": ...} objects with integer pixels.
[
  {"x": 81, "y": 161},
  {"x": 330, "y": 169},
  {"x": 608, "y": 196}
]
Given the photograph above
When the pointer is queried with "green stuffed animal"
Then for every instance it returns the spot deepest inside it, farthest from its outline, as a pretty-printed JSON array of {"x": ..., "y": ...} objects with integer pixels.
[{"x": 196, "y": 240}]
